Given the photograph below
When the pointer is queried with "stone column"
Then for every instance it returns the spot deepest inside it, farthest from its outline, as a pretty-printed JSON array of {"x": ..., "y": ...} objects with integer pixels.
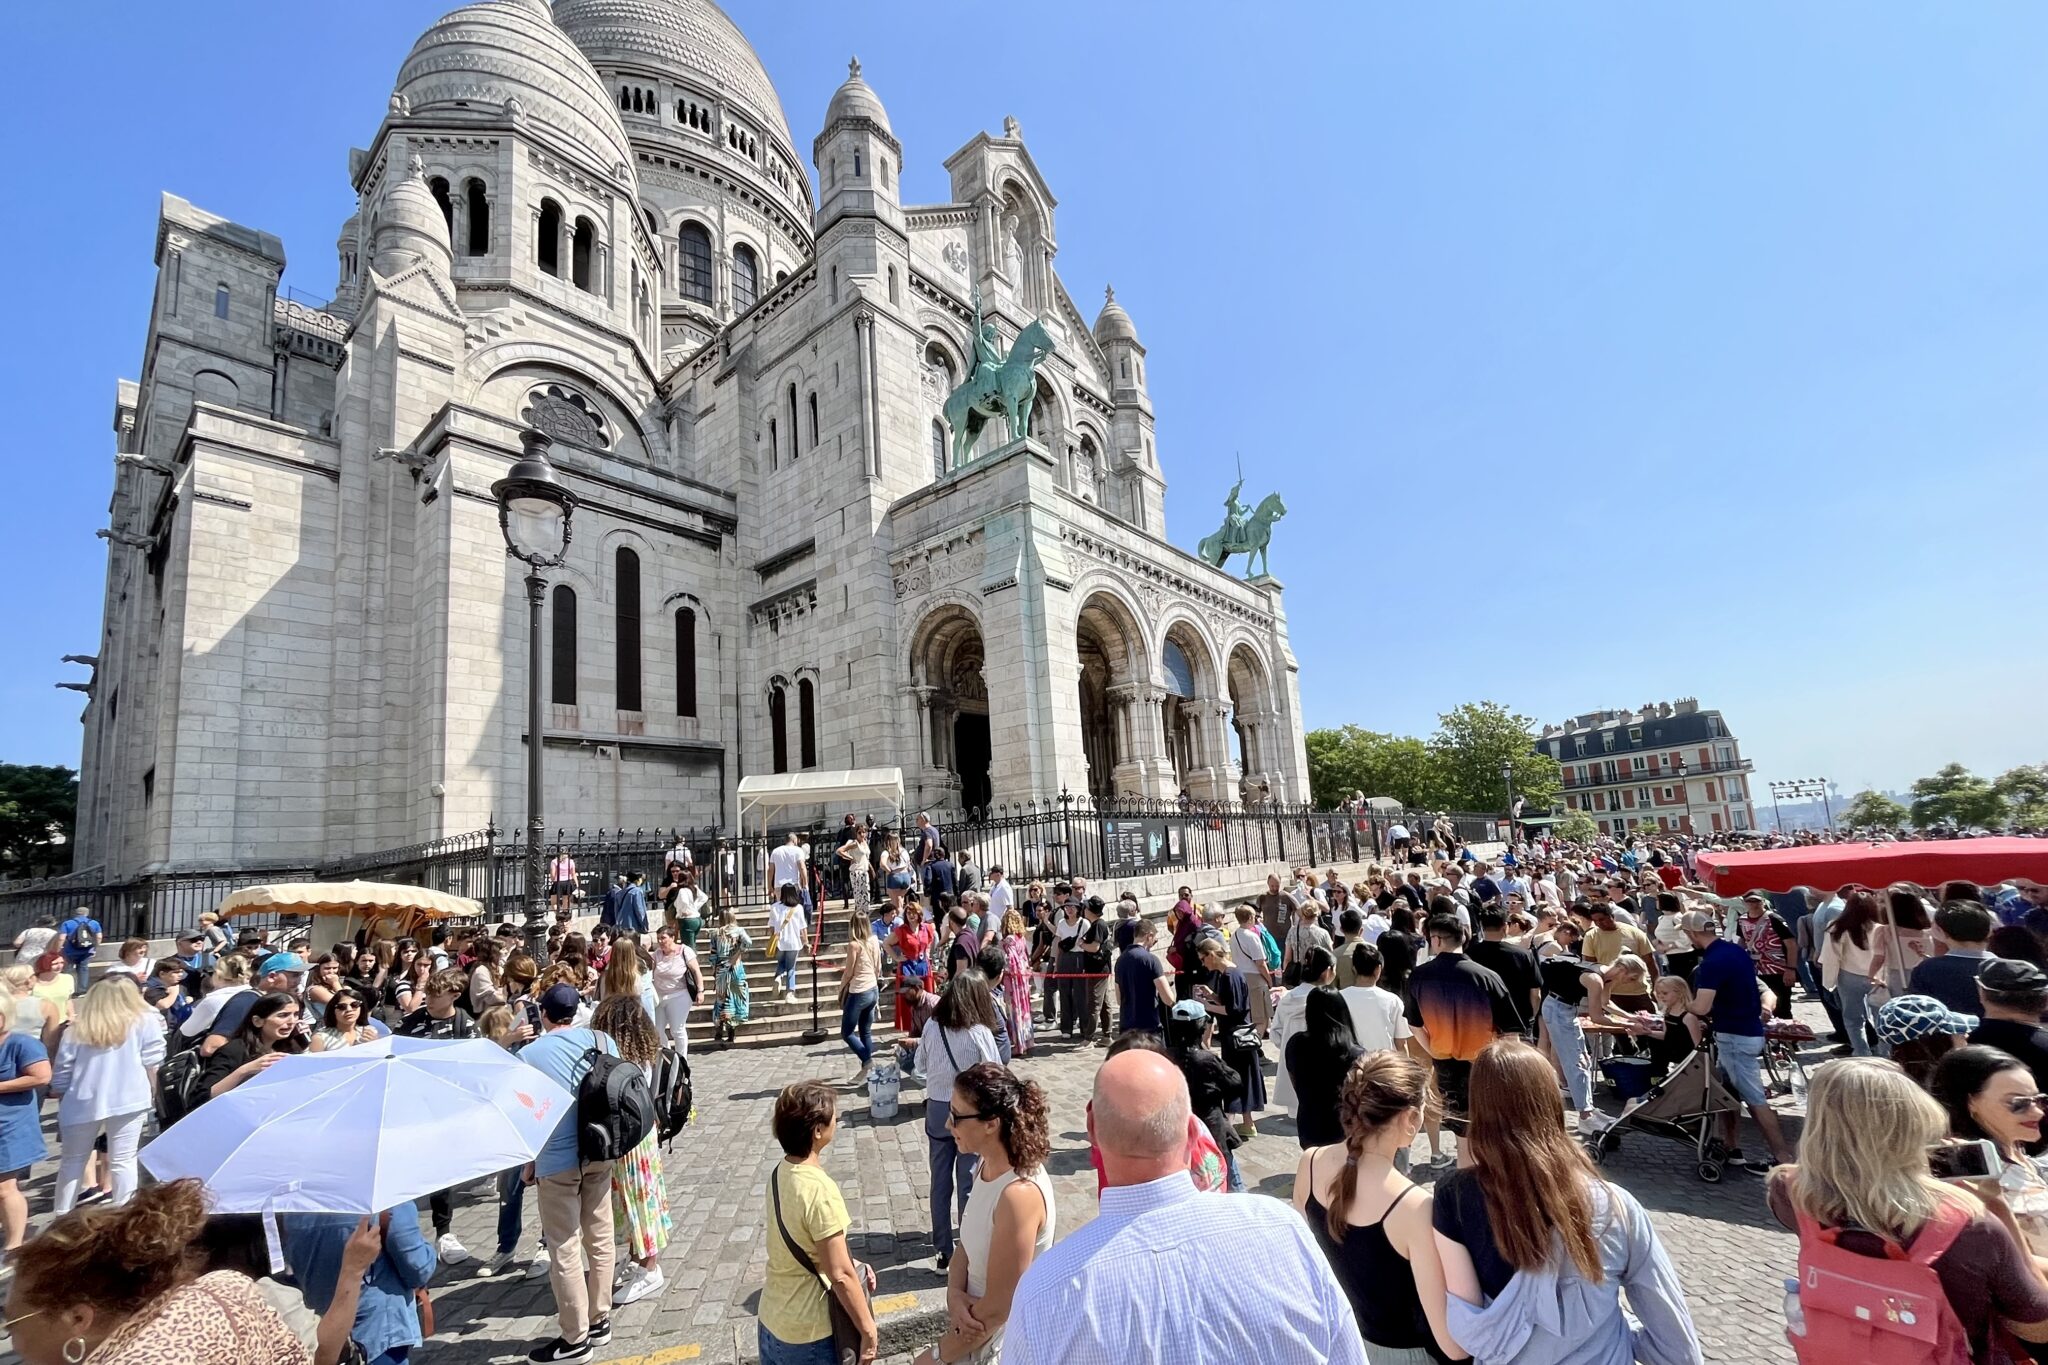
[
  {"x": 1206, "y": 779},
  {"x": 565, "y": 249},
  {"x": 1154, "y": 758}
]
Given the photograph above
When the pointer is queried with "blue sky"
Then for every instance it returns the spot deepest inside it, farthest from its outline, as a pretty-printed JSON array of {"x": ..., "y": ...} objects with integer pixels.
[{"x": 1603, "y": 353}]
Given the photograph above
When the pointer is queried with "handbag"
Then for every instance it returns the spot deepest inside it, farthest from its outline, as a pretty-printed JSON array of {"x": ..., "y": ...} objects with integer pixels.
[
  {"x": 845, "y": 1334},
  {"x": 1244, "y": 1040}
]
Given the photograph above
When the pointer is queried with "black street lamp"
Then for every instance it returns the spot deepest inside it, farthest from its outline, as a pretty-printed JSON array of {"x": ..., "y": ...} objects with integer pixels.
[
  {"x": 1507, "y": 775},
  {"x": 534, "y": 510}
]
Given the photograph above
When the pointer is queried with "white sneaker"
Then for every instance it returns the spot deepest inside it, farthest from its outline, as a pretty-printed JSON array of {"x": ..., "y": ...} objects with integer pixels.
[
  {"x": 452, "y": 1252},
  {"x": 643, "y": 1284},
  {"x": 538, "y": 1267},
  {"x": 1595, "y": 1122},
  {"x": 625, "y": 1275},
  {"x": 498, "y": 1264}
]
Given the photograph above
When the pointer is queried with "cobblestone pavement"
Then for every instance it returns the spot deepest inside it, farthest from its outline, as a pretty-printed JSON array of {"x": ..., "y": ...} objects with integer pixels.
[{"x": 1730, "y": 1255}]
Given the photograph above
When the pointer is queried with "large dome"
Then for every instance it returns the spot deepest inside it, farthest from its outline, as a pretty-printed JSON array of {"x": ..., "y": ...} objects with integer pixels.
[
  {"x": 685, "y": 38},
  {"x": 482, "y": 55}
]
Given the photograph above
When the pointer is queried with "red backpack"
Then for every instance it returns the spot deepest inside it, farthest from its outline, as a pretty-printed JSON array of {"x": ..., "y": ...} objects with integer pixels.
[{"x": 1877, "y": 1310}]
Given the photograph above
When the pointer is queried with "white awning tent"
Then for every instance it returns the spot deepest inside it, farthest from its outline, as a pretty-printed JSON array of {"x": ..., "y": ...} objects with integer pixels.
[{"x": 769, "y": 793}]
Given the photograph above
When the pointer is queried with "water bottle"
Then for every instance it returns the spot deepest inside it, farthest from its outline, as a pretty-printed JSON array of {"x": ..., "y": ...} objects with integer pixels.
[{"x": 1795, "y": 1316}]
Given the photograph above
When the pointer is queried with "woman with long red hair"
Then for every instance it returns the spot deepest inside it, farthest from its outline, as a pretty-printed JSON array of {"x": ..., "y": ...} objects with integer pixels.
[{"x": 1537, "y": 1248}]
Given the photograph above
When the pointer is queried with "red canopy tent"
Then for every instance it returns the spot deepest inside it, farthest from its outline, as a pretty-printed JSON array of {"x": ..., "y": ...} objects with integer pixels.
[{"x": 1827, "y": 866}]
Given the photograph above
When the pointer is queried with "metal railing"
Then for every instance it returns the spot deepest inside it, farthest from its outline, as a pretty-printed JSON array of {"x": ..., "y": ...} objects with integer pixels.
[{"x": 1037, "y": 840}]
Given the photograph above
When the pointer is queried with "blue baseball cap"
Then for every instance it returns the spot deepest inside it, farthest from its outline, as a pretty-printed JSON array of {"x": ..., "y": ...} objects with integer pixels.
[
  {"x": 559, "y": 1003},
  {"x": 281, "y": 962}
]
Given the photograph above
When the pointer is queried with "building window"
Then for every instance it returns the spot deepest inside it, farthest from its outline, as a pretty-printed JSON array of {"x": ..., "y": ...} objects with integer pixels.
[
  {"x": 582, "y": 247},
  {"x": 1579, "y": 745},
  {"x": 807, "y": 722},
  {"x": 778, "y": 737},
  {"x": 562, "y": 660},
  {"x": 695, "y": 243},
  {"x": 1642, "y": 796},
  {"x": 814, "y": 421},
  {"x": 479, "y": 217},
  {"x": 686, "y": 662},
  {"x": 220, "y": 302},
  {"x": 938, "y": 449},
  {"x": 774, "y": 451},
  {"x": 893, "y": 297},
  {"x": 1607, "y": 741},
  {"x": 547, "y": 252},
  {"x": 746, "y": 278},
  {"x": 1635, "y": 734},
  {"x": 627, "y": 628},
  {"x": 791, "y": 395},
  {"x": 1638, "y": 763},
  {"x": 438, "y": 186}
]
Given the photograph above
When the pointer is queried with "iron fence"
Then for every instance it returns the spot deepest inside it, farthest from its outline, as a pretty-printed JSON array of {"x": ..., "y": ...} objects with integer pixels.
[{"x": 1043, "y": 840}]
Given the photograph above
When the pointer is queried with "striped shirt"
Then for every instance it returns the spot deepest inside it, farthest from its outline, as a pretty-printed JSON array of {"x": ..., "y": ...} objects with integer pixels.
[{"x": 1140, "y": 1283}]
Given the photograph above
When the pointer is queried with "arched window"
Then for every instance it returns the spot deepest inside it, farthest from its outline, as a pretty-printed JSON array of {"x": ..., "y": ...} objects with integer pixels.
[
  {"x": 696, "y": 262},
  {"x": 220, "y": 301},
  {"x": 807, "y": 723},
  {"x": 627, "y": 628},
  {"x": 814, "y": 421},
  {"x": 1091, "y": 473},
  {"x": 562, "y": 665},
  {"x": 625, "y": 98},
  {"x": 479, "y": 217},
  {"x": 938, "y": 449},
  {"x": 856, "y": 165},
  {"x": 582, "y": 247},
  {"x": 774, "y": 450},
  {"x": 547, "y": 252},
  {"x": 892, "y": 285},
  {"x": 439, "y": 186},
  {"x": 778, "y": 732},
  {"x": 791, "y": 394},
  {"x": 686, "y": 662},
  {"x": 746, "y": 278}
]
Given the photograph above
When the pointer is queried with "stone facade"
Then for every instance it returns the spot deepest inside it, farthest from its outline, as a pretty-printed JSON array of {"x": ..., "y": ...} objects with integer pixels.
[{"x": 594, "y": 220}]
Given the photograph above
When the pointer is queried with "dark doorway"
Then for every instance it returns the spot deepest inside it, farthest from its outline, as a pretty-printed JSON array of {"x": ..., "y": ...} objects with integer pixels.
[{"x": 971, "y": 754}]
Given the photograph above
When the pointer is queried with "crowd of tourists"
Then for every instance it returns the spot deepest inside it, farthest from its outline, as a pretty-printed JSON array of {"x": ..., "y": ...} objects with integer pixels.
[{"x": 1438, "y": 1028}]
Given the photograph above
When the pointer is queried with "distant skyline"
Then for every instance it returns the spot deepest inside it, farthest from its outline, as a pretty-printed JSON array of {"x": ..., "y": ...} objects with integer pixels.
[{"x": 1603, "y": 355}]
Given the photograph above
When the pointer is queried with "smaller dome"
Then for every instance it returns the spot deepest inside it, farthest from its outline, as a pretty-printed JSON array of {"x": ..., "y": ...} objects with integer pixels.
[
  {"x": 409, "y": 224},
  {"x": 1113, "y": 323},
  {"x": 857, "y": 99}
]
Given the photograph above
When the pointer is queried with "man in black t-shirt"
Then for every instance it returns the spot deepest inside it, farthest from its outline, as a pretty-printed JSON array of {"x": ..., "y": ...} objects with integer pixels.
[
  {"x": 1514, "y": 965},
  {"x": 1091, "y": 949},
  {"x": 1456, "y": 1008},
  {"x": 2014, "y": 994},
  {"x": 1143, "y": 989}
]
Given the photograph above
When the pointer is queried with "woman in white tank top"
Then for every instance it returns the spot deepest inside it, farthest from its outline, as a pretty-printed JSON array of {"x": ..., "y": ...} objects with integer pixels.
[{"x": 1009, "y": 1220}]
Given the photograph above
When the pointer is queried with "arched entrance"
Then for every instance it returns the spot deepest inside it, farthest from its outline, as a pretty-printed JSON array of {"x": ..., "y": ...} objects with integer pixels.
[
  {"x": 1192, "y": 715},
  {"x": 952, "y": 703},
  {"x": 1251, "y": 714},
  {"x": 1111, "y": 652}
]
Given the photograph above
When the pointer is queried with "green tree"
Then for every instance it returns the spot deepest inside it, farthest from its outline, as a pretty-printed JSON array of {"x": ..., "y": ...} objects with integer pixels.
[
  {"x": 1956, "y": 796},
  {"x": 1869, "y": 809},
  {"x": 1471, "y": 745},
  {"x": 1577, "y": 827},
  {"x": 1352, "y": 759},
  {"x": 2025, "y": 792},
  {"x": 38, "y": 810}
]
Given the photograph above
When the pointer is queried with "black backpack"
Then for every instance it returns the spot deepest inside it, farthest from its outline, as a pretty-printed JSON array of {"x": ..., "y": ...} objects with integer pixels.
[
  {"x": 83, "y": 937},
  {"x": 178, "y": 1090},
  {"x": 614, "y": 1108},
  {"x": 675, "y": 1097}
]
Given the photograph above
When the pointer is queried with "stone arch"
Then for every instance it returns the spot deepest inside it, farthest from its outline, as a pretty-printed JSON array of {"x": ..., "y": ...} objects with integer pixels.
[
  {"x": 1116, "y": 674},
  {"x": 511, "y": 370},
  {"x": 1249, "y": 678},
  {"x": 949, "y": 685},
  {"x": 1193, "y": 709},
  {"x": 211, "y": 386}
]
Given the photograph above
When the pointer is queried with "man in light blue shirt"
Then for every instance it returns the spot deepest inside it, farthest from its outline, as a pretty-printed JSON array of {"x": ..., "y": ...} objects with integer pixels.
[
  {"x": 1138, "y": 1282},
  {"x": 574, "y": 1195}
]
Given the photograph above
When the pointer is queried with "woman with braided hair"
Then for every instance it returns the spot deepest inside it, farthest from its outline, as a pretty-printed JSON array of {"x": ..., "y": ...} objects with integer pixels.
[
  {"x": 1006, "y": 1122},
  {"x": 1372, "y": 1221}
]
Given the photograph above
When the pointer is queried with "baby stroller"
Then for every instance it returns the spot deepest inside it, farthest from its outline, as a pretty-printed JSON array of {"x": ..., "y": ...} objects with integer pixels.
[{"x": 1686, "y": 1106}]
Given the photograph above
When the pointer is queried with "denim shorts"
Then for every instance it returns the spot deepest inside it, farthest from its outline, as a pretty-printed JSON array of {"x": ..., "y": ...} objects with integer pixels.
[
  {"x": 1742, "y": 1062},
  {"x": 775, "y": 1351}
]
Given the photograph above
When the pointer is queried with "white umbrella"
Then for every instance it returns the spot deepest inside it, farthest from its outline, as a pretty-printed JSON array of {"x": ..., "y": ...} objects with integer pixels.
[{"x": 363, "y": 1129}]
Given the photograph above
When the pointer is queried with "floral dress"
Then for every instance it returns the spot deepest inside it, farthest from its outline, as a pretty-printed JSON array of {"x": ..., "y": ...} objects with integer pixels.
[
  {"x": 859, "y": 870},
  {"x": 1017, "y": 988},
  {"x": 639, "y": 1198}
]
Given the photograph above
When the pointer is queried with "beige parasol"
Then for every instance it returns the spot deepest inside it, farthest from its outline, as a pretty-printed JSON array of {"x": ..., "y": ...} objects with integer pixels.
[{"x": 390, "y": 908}]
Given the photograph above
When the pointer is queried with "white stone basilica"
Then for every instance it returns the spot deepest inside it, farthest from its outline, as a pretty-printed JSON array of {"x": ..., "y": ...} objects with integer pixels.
[{"x": 594, "y": 221}]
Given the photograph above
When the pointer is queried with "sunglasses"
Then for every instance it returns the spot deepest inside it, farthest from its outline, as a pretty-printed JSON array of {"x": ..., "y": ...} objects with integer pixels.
[
  {"x": 2020, "y": 1104},
  {"x": 955, "y": 1116}
]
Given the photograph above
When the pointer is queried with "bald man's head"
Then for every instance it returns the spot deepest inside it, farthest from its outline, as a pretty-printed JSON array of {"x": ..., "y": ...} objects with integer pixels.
[{"x": 1141, "y": 1107}]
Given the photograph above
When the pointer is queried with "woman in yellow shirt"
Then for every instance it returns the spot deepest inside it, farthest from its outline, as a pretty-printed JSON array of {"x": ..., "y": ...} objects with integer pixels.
[{"x": 807, "y": 1254}]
